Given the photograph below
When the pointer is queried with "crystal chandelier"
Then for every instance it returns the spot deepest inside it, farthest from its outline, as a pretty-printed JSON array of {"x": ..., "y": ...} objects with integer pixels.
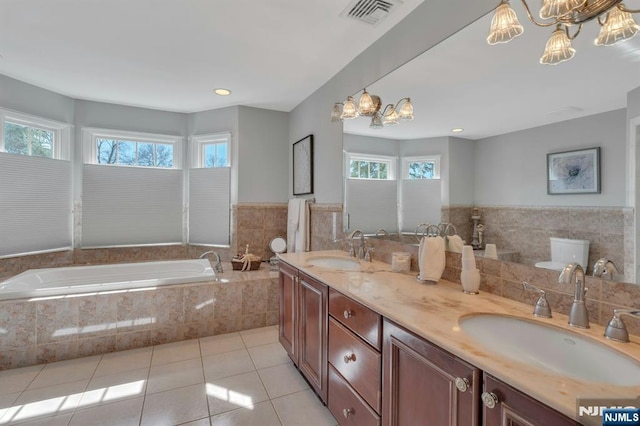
[
  {"x": 369, "y": 106},
  {"x": 616, "y": 24}
]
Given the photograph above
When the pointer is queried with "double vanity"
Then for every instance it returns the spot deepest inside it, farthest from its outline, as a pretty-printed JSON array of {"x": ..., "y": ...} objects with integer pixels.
[{"x": 382, "y": 348}]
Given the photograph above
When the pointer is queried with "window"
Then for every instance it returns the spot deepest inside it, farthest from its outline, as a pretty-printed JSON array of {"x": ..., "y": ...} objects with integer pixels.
[
  {"x": 210, "y": 151},
  {"x": 421, "y": 167},
  {"x": 370, "y": 167},
  {"x": 33, "y": 136}
]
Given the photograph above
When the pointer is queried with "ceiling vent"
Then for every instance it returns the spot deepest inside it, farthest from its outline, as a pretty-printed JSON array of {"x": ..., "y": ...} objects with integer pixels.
[{"x": 370, "y": 11}]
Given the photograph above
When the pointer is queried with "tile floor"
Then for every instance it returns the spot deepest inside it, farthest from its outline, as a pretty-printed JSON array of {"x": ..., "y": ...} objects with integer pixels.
[{"x": 241, "y": 378}]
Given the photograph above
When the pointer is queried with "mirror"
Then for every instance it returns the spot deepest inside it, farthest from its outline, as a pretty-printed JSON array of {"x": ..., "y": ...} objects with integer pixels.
[{"x": 514, "y": 111}]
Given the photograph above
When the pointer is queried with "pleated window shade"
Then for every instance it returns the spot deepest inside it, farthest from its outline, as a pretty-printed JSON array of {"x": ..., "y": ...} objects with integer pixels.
[
  {"x": 35, "y": 204},
  {"x": 131, "y": 206},
  {"x": 372, "y": 204},
  {"x": 209, "y": 200}
]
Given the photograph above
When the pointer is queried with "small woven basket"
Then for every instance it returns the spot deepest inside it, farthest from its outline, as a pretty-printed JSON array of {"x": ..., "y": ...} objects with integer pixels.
[{"x": 238, "y": 264}]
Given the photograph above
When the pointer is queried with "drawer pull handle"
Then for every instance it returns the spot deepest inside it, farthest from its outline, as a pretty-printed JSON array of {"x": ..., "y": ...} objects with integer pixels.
[
  {"x": 462, "y": 384},
  {"x": 346, "y": 412},
  {"x": 489, "y": 399},
  {"x": 347, "y": 314},
  {"x": 349, "y": 358}
]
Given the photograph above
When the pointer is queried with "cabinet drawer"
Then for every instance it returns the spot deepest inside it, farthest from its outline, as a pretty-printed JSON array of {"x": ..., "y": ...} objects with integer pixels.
[
  {"x": 357, "y": 362},
  {"x": 346, "y": 405},
  {"x": 360, "y": 319}
]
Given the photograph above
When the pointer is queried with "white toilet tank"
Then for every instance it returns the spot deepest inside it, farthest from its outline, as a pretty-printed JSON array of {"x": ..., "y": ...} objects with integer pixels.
[{"x": 564, "y": 251}]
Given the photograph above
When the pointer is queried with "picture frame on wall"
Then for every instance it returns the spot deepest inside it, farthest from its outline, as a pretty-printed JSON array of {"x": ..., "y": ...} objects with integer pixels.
[
  {"x": 574, "y": 172},
  {"x": 303, "y": 166}
]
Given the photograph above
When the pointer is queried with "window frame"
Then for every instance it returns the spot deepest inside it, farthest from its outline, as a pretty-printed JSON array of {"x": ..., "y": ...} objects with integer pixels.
[
  {"x": 61, "y": 149},
  {"x": 198, "y": 143},
  {"x": 90, "y": 136},
  {"x": 425, "y": 159},
  {"x": 389, "y": 160}
]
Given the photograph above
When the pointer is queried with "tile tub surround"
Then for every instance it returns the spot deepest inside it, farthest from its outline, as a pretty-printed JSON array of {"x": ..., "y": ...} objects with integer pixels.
[{"x": 55, "y": 329}]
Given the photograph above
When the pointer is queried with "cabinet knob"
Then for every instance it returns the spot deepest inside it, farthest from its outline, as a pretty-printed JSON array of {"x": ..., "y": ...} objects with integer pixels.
[
  {"x": 489, "y": 399},
  {"x": 462, "y": 384},
  {"x": 346, "y": 412},
  {"x": 349, "y": 358},
  {"x": 347, "y": 314}
]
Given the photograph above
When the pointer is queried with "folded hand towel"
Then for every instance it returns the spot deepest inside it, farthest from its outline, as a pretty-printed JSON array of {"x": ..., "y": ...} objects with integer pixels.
[
  {"x": 302, "y": 234},
  {"x": 454, "y": 243},
  {"x": 293, "y": 217},
  {"x": 431, "y": 258}
]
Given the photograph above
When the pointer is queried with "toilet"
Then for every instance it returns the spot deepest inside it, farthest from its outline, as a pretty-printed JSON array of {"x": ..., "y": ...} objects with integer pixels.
[{"x": 564, "y": 251}]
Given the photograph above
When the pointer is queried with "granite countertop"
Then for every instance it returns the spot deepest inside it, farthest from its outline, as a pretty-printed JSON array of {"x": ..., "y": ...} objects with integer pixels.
[{"x": 432, "y": 311}]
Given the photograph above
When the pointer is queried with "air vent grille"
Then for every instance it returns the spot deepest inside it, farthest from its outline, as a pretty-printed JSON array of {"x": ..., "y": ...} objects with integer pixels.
[{"x": 370, "y": 11}]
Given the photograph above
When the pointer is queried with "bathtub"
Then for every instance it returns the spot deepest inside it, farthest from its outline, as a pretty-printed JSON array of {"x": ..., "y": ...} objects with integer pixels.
[{"x": 52, "y": 282}]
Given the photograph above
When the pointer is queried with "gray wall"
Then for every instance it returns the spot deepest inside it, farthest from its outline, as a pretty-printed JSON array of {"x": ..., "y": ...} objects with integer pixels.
[
  {"x": 461, "y": 172},
  {"x": 369, "y": 145},
  {"x": 511, "y": 169},
  {"x": 23, "y": 97}
]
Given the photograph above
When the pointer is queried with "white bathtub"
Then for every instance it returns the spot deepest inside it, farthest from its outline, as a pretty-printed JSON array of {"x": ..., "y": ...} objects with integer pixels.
[{"x": 101, "y": 278}]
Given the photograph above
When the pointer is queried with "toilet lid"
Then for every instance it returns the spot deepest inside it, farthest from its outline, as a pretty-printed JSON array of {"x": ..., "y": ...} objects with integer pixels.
[{"x": 278, "y": 245}]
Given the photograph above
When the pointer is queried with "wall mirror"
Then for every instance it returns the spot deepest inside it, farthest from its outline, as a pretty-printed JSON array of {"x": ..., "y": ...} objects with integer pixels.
[{"x": 513, "y": 112}]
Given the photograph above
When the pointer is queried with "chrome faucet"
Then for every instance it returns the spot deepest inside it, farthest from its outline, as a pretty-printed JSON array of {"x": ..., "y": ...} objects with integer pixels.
[
  {"x": 578, "y": 316},
  {"x": 541, "y": 308},
  {"x": 362, "y": 248},
  {"x": 616, "y": 329},
  {"x": 604, "y": 268},
  {"x": 218, "y": 266},
  {"x": 381, "y": 232}
]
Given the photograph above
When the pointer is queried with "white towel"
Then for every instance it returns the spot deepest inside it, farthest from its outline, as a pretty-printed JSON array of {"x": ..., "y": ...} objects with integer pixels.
[
  {"x": 293, "y": 219},
  {"x": 454, "y": 243},
  {"x": 302, "y": 234},
  {"x": 431, "y": 258}
]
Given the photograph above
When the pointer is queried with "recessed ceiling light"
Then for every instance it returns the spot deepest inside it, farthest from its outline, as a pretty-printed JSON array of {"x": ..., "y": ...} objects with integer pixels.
[
  {"x": 222, "y": 92},
  {"x": 457, "y": 130}
]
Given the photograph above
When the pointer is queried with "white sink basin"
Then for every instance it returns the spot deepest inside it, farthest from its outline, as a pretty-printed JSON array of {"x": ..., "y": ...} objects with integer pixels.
[
  {"x": 552, "y": 349},
  {"x": 337, "y": 263}
]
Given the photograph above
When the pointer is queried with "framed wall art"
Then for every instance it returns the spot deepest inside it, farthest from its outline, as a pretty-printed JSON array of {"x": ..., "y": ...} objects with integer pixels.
[
  {"x": 574, "y": 172},
  {"x": 303, "y": 166}
]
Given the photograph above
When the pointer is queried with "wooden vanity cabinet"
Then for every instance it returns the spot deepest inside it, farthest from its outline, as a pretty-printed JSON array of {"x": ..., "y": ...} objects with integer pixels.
[
  {"x": 504, "y": 405},
  {"x": 424, "y": 385},
  {"x": 303, "y": 325}
]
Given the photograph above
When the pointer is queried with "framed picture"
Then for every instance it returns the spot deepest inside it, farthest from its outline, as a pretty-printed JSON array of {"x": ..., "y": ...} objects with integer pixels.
[
  {"x": 303, "y": 166},
  {"x": 574, "y": 172}
]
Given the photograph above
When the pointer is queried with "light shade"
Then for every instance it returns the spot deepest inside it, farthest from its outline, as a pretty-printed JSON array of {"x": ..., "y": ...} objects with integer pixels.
[
  {"x": 618, "y": 26},
  {"x": 366, "y": 106},
  {"x": 555, "y": 8},
  {"x": 391, "y": 116},
  {"x": 376, "y": 121},
  {"x": 504, "y": 25},
  {"x": 349, "y": 110},
  {"x": 336, "y": 112},
  {"x": 558, "y": 48},
  {"x": 406, "y": 112}
]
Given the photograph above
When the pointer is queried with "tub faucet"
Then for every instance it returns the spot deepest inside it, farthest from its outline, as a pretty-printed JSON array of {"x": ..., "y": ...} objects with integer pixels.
[
  {"x": 573, "y": 273},
  {"x": 604, "y": 268},
  {"x": 218, "y": 266}
]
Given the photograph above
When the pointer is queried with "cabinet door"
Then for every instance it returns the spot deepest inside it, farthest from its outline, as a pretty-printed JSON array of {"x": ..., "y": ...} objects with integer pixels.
[
  {"x": 424, "y": 385},
  {"x": 288, "y": 320},
  {"x": 505, "y": 406},
  {"x": 312, "y": 332}
]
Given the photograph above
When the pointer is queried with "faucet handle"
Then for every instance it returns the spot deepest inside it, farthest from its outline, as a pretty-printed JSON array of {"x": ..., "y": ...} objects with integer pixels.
[
  {"x": 541, "y": 308},
  {"x": 616, "y": 329}
]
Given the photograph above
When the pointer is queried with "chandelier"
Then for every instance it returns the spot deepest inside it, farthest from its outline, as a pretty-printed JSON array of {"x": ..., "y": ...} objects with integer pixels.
[
  {"x": 616, "y": 24},
  {"x": 369, "y": 106}
]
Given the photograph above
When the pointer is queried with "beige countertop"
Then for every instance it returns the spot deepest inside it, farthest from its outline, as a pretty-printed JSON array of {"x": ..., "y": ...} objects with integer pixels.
[{"x": 432, "y": 311}]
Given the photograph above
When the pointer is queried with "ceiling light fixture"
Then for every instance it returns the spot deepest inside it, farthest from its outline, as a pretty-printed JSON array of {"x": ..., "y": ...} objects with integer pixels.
[
  {"x": 369, "y": 106},
  {"x": 616, "y": 24},
  {"x": 222, "y": 92}
]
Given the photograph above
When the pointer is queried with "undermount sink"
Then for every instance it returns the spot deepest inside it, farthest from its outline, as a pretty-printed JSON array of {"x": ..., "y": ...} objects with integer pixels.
[
  {"x": 552, "y": 349},
  {"x": 334, "y": 262}
]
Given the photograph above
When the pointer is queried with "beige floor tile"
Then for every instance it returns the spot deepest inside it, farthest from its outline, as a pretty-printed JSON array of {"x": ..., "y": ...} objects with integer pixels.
[
  {"x": 17, "y": 379},
  {"x": 176, "y": 351},
  {"x": 61, "y": 420},
  {"x": 117, "y": 362},
  {"x": 241, "y": 391},
  {"x": 175, "y": 406},
  {"x": 282, "y": 380},
  {"x": 164, "y": 377},
  {"x": 259, "y": 336},
  {"x": 268, "y": 355},
  {"x": 220, "y": 344},
  {"x": 121, "y": 413},
  {"x": 116, "y": 387},
  {"x": 65, "y": 372},
  {"x": 263, "y": 414},
  {"x": 200, "y": 422},
  {"x": 6, "y": 402},
  {"x": 303, "y": 408},
  {"x": 227, "y": 364}
]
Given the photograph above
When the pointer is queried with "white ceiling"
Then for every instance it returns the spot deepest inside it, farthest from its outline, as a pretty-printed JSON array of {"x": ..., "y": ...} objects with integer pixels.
[
  {"x": 171, "y": 54},
  {"x": 492, "y": 90}
]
